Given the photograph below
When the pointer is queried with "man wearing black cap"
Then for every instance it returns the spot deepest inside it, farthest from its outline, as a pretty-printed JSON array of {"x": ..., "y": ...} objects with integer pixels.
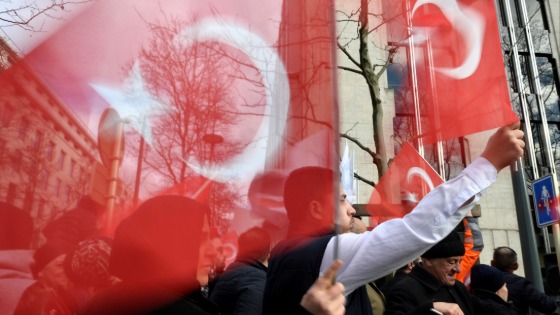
[
  {"x": 489, "y": 284},
  {"x": 522, "y": 292},
  {"x": 431, "y": 287}
]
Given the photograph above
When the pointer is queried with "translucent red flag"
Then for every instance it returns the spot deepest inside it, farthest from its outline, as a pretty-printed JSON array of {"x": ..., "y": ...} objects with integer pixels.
[
  {"x": 408, "y": 179},
  {"x": 458, "y": 65},
  {"x": 210, "y": 95}
]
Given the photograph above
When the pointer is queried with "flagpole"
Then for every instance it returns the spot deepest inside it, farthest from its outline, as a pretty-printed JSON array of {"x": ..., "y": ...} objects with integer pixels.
[
  {"x": 139, "y": 163},
  {"x": 524, "y": 220},
  {"x": 544, "y": 124}
]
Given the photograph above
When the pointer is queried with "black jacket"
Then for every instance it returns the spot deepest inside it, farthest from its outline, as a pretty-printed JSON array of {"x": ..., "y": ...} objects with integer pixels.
[
  {"x": 388, "y": 286},
  {"x": 524, "y": 294},
  {"x": 293, "y": 268},
  {"x": 493, "y": 298},
  {"x": 239, "y": 290},
  {"x": 133, "y": 299},
  {"x": 416, "y": 293}
]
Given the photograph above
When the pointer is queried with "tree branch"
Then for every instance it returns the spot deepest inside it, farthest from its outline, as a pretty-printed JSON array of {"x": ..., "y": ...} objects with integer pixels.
[
  {"x": 351, "y": 70},
  {"x": 348, "y": 55},
  {"x": 367, "y": 181},
  {"x": 360, "y": 145}
]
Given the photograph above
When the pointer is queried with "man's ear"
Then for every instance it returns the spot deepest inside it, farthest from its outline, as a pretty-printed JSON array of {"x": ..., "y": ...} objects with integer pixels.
[
  {"x": 316, "y": 210},
  {"x": 492, "y": 263},
  {"x": 515, "y": 266},
  {"x": 427, "y": 262}
]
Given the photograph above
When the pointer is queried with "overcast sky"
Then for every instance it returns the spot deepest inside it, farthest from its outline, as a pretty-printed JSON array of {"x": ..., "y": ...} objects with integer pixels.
[{"x": 23, "y": 40}]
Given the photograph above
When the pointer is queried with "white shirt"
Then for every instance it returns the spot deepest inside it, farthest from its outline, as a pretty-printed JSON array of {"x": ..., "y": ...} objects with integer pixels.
[{"x": 394, "y": 243}]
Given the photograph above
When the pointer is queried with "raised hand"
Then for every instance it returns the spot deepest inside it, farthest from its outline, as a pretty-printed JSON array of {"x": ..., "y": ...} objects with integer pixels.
[
  {"x": 504, "y": 146},
  {"x": 325, "y": 297}
]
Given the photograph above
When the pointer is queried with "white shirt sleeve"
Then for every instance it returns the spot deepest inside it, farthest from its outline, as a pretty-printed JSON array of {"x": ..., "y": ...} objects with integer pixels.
[{"x": 394, "y": 243}]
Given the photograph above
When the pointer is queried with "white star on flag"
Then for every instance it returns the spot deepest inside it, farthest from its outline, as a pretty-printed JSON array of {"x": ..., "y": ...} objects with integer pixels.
[{"x": 133, "y": 102}]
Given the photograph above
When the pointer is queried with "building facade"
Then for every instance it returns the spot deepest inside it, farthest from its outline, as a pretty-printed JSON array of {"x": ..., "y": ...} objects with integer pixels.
[
  {"x": 529, "y": 32},
  {"x": 48, "y": 158}
]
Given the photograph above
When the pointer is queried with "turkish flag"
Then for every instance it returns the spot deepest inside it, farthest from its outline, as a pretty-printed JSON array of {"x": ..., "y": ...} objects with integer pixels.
[
  {"x": 230, "y": 246},
  {"x": 408, "y": 179},
  {"x": 220, "y": 91},
  {"x": 459, "y": 69}
]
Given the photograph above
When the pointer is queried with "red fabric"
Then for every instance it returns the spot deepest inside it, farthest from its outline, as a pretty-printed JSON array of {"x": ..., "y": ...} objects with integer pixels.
[
  {"x": 462, "y": 86},
  {"x": 230, "y": 246},
  {"x": 260, "y": 75},
  {"x": 408, "y": 179}
]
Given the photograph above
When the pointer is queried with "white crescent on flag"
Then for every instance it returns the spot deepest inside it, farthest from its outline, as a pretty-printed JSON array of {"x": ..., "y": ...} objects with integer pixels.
[
  {"x": 420, "y": 172},
  {"x": 275, "y": 80},
  {"x": 469, "y": 24}
]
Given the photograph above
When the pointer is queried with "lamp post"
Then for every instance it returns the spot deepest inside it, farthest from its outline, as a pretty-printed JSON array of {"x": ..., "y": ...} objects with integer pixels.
[
  {"x": 212, "y": 139},
  {"x": 111, "y": 148},
  {"x": 139, "y": 163}
]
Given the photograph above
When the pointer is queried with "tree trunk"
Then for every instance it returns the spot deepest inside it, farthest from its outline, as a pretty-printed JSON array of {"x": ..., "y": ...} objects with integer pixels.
[{"x": 374, "y": 91}]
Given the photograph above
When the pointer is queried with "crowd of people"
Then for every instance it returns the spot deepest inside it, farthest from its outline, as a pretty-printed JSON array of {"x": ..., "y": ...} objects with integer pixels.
[{"x": 164, "y": 258}]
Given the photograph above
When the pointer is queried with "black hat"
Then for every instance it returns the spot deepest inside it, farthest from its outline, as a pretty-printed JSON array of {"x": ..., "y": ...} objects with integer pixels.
[
  {"x": 47, "y": 253},
  {"x": 484, "y": 277},
  {"x": 450, "y": 246}
]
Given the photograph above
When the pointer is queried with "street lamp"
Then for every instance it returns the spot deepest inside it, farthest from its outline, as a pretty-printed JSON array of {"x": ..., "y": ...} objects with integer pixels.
[{"x": 212, "y": 139}]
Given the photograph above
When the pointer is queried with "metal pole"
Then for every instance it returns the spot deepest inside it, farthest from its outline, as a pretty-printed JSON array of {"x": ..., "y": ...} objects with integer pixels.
[
  {"x": 414, "y": 79},
  {"x": 545, "y": 131},
  {"x": 525, "y": 221},
  {"x": 139, "y": 164},
  {"x": 114, "y": 176}
]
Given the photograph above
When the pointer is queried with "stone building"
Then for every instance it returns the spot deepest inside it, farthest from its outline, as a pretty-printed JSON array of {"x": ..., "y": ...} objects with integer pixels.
[
  {"x": 534, "y": 22},
  {"x": 47, "y": 156}
]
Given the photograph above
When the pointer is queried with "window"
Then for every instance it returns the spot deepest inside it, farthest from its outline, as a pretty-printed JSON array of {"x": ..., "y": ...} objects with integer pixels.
[
  {"x": 395, "y": 76},
  {"x": 57, "y": 184},
  {"x": 61, "y": 160},
  {"x": 72, "y": 170},
  {"x": 49, "y": 152}
]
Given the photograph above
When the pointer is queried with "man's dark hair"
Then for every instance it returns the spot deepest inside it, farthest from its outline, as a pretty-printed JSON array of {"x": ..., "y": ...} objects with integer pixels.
[
  {"x": 304, "y": 185},
  {"x": 504, "y": 258},
  {"x": 254, "y": 244}
]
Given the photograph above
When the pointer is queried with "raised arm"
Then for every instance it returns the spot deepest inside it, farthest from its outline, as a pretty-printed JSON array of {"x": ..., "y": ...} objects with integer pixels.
[{"x": 394, "y": 243}]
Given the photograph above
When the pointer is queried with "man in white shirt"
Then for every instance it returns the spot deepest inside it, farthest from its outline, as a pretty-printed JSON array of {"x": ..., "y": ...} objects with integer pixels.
[{"x": 295, "y": 262}]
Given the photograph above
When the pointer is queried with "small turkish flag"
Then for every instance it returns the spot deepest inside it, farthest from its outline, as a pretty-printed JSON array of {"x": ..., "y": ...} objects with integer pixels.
[{"x": 408, "y": 179}]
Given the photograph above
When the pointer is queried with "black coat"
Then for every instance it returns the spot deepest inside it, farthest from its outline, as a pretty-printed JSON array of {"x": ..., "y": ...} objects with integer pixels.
[
  {"x": 524, "y": 294},
  {"x": 388, "y": 286},
  {"x": 493, "y": 298},
  {"x": 416, "y": 293},
  {"x": 239, "y": 290},
  {"x": 293, "y": 268},
  {"x": 133, "y": 299}
]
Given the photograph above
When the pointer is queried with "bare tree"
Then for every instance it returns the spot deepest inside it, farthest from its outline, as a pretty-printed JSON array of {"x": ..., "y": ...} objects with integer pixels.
[
  {"x": 31, "y": 15},
  {"x": 366, "y": 24},
  {"x": 193, "y": 83}
]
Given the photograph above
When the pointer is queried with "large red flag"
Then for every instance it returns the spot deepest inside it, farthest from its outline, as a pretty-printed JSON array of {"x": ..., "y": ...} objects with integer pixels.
[
  {"x": 408, "y": 179},
  {"x": 228, "y": 91},
  {"x": 459, "y": 69}
]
